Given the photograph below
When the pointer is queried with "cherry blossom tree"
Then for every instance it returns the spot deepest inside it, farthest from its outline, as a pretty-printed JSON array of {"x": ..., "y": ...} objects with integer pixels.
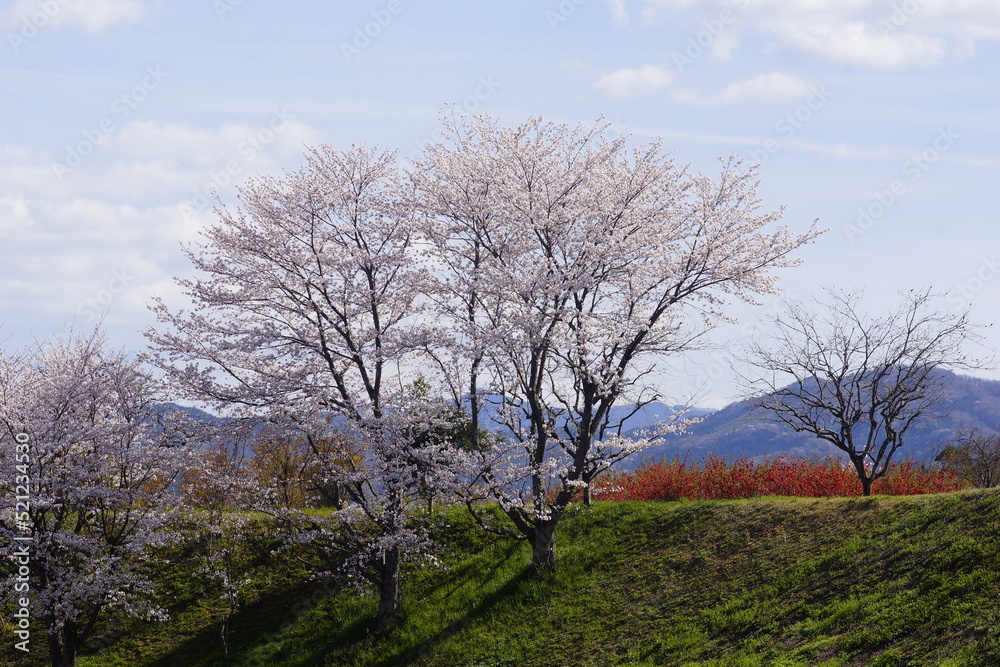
[
  {"x": 566, "y": 266},
  {"x": 99, "y": 460},
  {"x": 302, "y": 319}
]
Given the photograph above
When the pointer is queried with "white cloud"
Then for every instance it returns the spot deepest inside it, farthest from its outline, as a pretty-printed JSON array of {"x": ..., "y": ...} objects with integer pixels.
[
  {"x": 23, "y": 171},
  {"x": 619, "y": 12},
  {"x": 14, "y": 214},
  {"x": 773, "y": 86},
  {"x": 860, "y": 44},
  {"x": 93, "y": 16},
  {"x": 868, "y": 33},
  {"x": 182, "y": 223},
  {"x": 724, "y": 46},
  {"x": 634, "y": 82},
  {"x": 156, "y": 161},
  {"x": 201, "y": 146},
  {"x": 93, "y": 218},
  {"x": 214, "y": 147},
  {"x": 10, "y": 152},
  {"x": 122, "y": 212}
]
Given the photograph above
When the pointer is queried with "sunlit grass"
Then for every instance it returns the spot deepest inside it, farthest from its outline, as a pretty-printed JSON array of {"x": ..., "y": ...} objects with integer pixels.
[{"x": 761, "y": 582}]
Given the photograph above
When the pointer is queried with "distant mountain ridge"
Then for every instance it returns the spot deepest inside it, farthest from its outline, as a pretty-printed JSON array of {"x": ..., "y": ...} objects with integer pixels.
[
  {"x": 738, "y": 431},
  {"x": 646, "y": 417}
]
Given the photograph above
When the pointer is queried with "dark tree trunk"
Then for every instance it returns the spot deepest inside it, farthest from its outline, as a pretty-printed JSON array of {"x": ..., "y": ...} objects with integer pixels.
[
  {"x": 863, "y": 476},
  {"x": 543, "y": 547},
  {"x": 390, "y": 598},
  {"x": 63, "y": 646}
]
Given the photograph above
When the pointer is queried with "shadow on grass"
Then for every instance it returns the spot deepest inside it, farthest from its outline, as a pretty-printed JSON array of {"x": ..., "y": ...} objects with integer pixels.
[
  {"x": 256, "y": 624},
  {"x": 409, "y": 655},
  {"x": 261, "y": 622}
]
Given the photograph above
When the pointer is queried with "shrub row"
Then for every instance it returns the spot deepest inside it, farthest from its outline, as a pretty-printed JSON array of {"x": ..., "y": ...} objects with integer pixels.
[{"x": 715, "y": 478}]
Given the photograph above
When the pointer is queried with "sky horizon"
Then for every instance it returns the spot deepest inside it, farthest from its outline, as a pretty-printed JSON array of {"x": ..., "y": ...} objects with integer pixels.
[{"x": 122, "y": 118}]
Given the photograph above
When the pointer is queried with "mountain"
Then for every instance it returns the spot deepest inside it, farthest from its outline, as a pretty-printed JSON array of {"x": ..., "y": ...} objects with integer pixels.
[
  {"x": 192, "y": 412},
  {"x": 651, "y": 414},
  {"x": 646, "y": 417},
  {"x": 738, "y": 431}
]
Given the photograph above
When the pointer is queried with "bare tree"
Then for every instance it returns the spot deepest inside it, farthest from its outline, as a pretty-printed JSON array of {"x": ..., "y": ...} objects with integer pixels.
[
  {"x": 974, "y": 454},
  {"x": 567, "y": 264},
  {"x": 859, "y": 382}
]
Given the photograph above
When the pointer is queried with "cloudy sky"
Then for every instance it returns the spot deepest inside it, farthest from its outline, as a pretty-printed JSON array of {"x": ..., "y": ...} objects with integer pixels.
[{"x": 120, "y": 118}]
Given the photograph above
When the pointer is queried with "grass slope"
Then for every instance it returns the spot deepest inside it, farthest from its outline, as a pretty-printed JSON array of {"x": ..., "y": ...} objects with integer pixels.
[{"x": 769, "y": 582}]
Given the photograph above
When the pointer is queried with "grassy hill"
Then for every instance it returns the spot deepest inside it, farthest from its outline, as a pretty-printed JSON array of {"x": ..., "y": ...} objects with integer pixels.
[{"x": 769, "y": 582}]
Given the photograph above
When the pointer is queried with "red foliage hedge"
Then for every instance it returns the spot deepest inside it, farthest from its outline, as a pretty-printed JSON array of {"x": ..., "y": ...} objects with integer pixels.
[{"x": 714, "y": 478}]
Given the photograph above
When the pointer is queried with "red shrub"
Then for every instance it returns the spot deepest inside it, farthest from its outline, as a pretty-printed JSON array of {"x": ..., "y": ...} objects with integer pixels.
[{"x": 714, "y": 478}]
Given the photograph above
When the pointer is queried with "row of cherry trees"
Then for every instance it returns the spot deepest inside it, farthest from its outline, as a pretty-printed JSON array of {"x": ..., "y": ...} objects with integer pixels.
[
  {"x": 530, "y": 277},
  {"x": 535, "y": 275}
]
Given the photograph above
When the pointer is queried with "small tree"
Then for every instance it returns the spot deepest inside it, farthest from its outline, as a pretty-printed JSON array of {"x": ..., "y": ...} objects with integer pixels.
[
  {"x": 284, "y": 464},
  {"x": 299, "y": 469},
  {"x": 99, "y": 471},
  {"x": 859, "y": 382},
  {"x": 975, "y": 455},
  {"x": 454, "y": 427},
  {"x": 407, "y": 458},
  {"x": 217, "y": 481}
]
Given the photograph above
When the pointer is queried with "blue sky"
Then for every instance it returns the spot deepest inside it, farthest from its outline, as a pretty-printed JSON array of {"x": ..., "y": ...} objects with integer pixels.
[{"x": 879, "y": 117}]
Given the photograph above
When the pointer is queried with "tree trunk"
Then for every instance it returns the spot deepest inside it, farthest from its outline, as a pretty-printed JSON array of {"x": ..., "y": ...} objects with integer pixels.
[
  {"x": 543, "y": 547},
  {"x": 62, "y": 647},
  {"x": 863, "y": 476},
  {"x": 390, "y": 599}
]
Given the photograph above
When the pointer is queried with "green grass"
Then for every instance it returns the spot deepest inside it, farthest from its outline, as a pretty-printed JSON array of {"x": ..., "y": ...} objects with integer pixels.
[{"x": 776, "y": 582}]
